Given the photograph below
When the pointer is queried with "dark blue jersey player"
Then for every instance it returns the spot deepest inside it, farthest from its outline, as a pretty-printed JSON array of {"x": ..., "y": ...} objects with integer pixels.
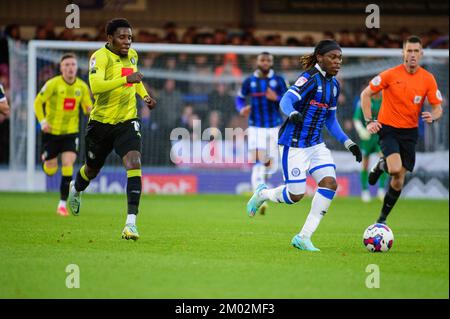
[
  {"x": 264, "y": 89},
  {"x": 310, "y": 104}
]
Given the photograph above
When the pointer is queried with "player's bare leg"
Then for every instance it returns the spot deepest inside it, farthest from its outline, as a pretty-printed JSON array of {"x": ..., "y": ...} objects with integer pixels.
[
  {"x": 67, "y": 160},
  {"x": 132, "y": 163}
]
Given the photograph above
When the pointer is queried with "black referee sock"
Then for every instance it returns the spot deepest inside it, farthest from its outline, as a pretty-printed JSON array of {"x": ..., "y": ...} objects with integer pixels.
[
  {"x": 390, "y": 199},
  {"x": 134, "y": 188},
  {"x": 81, "y": 182},
  {"x": 64, "y": 187}
]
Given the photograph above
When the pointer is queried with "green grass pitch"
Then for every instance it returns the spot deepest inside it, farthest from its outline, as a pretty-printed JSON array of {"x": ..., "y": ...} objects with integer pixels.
[{"x": 205, "y": 246}]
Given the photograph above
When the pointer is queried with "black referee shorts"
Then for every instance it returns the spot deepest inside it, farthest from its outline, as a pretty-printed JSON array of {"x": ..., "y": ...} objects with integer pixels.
[
  {"x": 399, "y": 140},
  {"x": 102, "y": 138},
  {"x": 52, "y": 145}
]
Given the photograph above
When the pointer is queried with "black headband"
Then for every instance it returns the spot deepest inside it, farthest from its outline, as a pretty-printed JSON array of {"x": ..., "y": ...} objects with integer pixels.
[{"x": 327, "y": 46}]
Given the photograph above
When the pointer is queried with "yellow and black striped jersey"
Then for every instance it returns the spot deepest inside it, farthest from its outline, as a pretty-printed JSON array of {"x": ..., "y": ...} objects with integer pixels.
[
  {"x": 59, "y": 104},
  {"x": 115, "y": 99}
]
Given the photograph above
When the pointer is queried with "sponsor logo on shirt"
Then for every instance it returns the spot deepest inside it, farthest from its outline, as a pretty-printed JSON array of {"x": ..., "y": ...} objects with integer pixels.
[
  {"x": 314, "y": 102},
  {"x": 125, "y": 72},
  {"x": 69, "y": 104}
]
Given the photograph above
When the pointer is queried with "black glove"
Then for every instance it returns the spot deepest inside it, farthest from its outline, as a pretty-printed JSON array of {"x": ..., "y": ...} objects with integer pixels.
[
  {"x": 356, "y": 152},
  {"x": 295, "y": 117}
]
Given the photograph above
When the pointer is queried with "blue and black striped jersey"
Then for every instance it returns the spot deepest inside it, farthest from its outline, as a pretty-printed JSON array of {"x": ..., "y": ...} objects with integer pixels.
[
  {"x": 315, "y": 96},
  {"x": 264, "y": 112}
]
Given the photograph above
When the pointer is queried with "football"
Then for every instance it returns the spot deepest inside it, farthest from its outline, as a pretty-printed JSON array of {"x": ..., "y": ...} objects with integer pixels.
[{"x": 378, "y": 238}]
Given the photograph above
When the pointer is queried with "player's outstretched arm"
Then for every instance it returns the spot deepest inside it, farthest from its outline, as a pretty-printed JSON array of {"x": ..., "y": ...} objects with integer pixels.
[{"x": 335, "y": 129}]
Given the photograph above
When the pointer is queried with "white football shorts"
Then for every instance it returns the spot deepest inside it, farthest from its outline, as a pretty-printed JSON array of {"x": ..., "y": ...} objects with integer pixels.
[{"x": 297, "y": 162}]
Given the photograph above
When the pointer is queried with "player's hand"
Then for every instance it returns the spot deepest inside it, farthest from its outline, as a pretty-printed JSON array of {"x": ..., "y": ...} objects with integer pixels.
[
  {"x": 271, "y": 95},
  {"x": 45, "y": 127},
  {"x": 356, "y": 151},
  {"x": 4, "y": 109},
  {"x": 151, "y": 102},
  {"x": 427, "y": 117},
  {"x": 135, "y": 77},
  {"x": 373, "y": 127},
  {"x": 296, "y": 117},
  {"x": 245, "y": 111}
]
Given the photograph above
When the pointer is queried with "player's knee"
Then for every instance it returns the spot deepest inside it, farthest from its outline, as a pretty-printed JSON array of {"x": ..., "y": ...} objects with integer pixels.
[
  {"x": 132, "y": 160},
  {"x": 50, "y": 169},
  {"x": 397, "y": 182},
  {"x": 394, "y": 170},
  {"x": 328, "y": 182},
  {"x": 296, "y": 198}
]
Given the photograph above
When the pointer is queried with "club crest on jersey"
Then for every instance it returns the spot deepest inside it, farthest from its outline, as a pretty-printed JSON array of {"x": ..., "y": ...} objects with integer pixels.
[
  {"x": 273, "y": 83},
  {"x": 253, "y": 84},
  {"x": 417, "y": 99},
  {"x": 376, "y": 80},
  {"x": 77, "y": 93},
  {"x": 295, "y": 172},
  {"x": 133, "y": 61},
  {"x": 93, "y": 61},
  {"x": 334, "y": 91},
  {"x": 301, "y": 80}
]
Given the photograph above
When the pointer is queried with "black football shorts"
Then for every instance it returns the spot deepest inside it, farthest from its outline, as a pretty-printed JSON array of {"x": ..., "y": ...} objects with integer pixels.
[{"x": 102, "y": 138}]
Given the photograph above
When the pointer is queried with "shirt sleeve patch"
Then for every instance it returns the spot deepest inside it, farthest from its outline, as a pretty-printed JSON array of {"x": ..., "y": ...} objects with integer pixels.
[
  {"x": 301, "y": 80},
  {"x": 376, "y": 80}
]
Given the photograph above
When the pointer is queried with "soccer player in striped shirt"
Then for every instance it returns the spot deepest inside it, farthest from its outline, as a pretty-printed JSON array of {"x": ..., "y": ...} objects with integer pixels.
[
  {"x": 57, "y": 108},
  {"x": 113, "y": 123},
  {"x": 310, "y": 104},
  {"x": 265, "y": 89}
]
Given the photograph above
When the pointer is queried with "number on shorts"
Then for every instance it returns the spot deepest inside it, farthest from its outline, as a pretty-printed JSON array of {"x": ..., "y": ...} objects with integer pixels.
[{"x": 136, "y": 125}]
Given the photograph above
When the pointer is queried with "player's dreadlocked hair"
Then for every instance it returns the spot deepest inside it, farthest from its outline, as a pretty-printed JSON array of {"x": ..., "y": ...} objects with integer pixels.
[
  {"x": 114, "y": 24},
  {"x": 309, "y": 60}
]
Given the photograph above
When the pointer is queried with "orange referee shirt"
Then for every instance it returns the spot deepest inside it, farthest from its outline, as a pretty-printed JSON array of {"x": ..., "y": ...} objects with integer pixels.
[{"x": 404, "y": 94}]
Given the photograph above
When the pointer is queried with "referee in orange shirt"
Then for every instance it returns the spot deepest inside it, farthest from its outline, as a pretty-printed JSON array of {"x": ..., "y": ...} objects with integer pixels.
[{"x": 404, "y": 89}]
